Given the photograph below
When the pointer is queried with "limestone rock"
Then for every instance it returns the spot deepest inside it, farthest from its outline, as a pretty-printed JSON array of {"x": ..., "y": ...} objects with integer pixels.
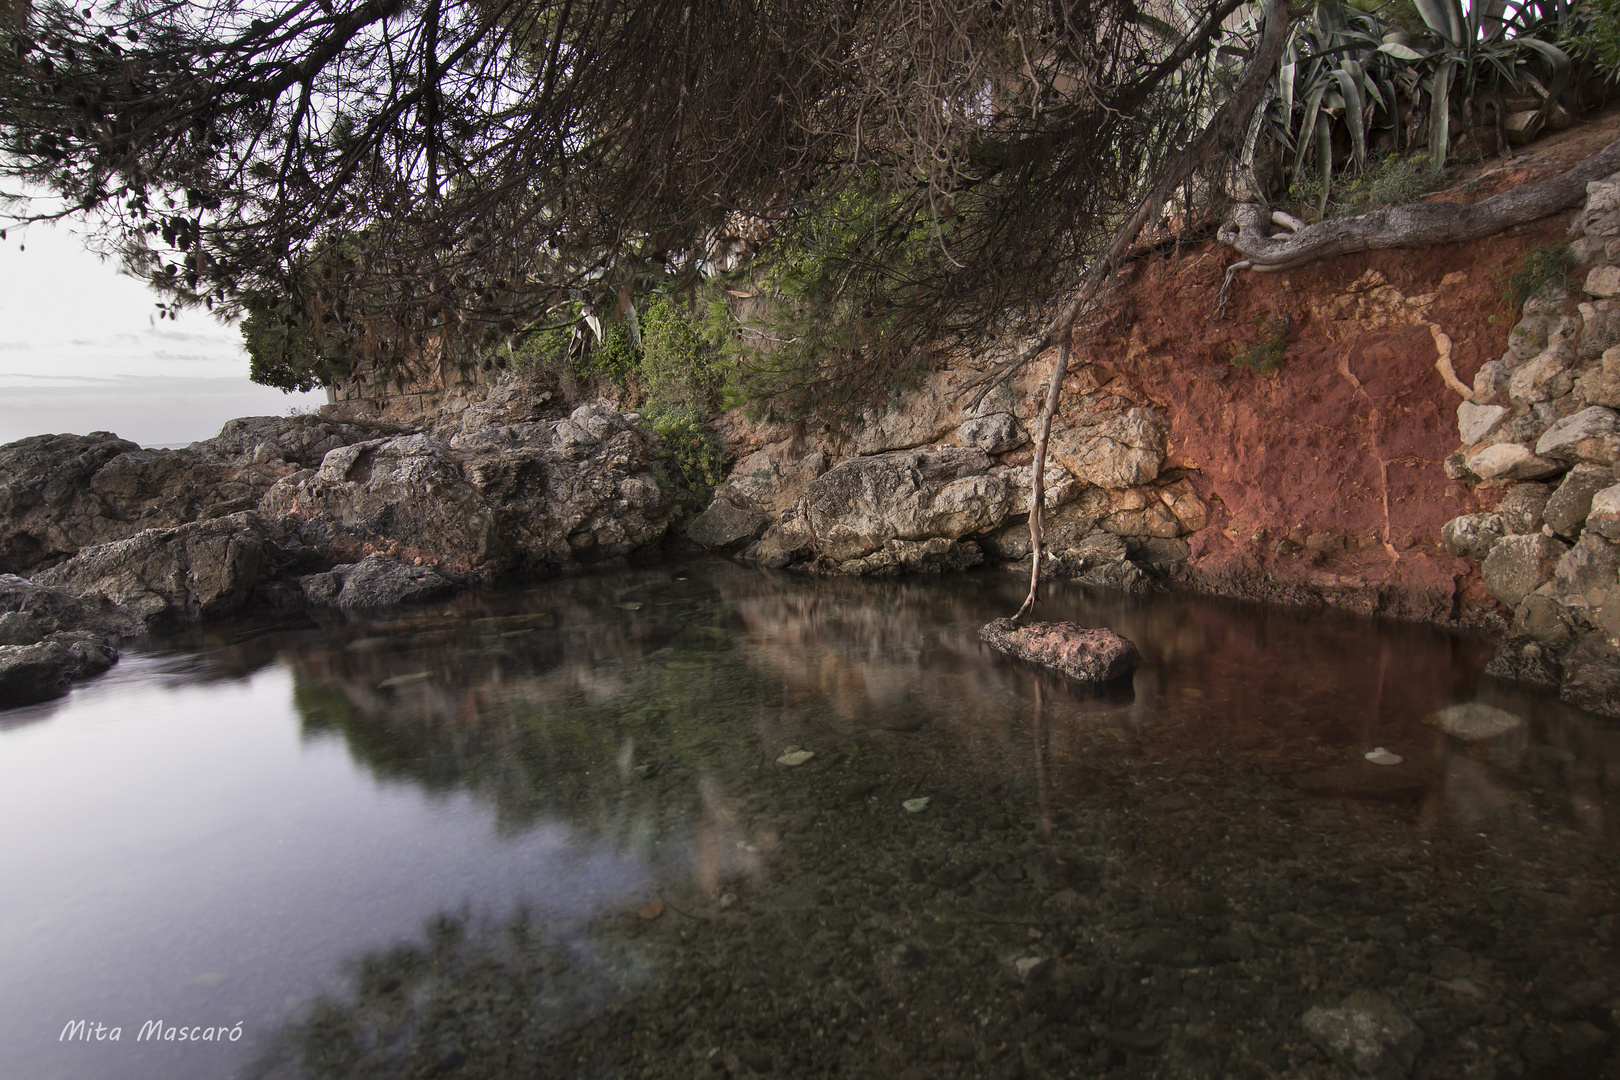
[
  {"x": 1604, "y": 517},
  {"x": 1541, "y": 616},
  {"x": 859, "y": 504},
  {"x": 725, "y": 526},
  {"x": 932, "y": 556},
  {"x": 1591, "y": 681},
  {"x": 1081, "y": 653},
  {"x": 1472, "y": 536},
  {"x": 773, "y": 479},
  {"x": 1521, "y": 659},
  {"x": 405, "y": 491},
  {"x": 298, "y": 440},
  {"x": 1491, "y": 382},
  {"x": 994, "y": 434},
  {"x": 1510, "y": 461},
  {"x": 1058, "y": 486},
  {"x": 1567, "y": 508},
  {"x": 60, "y": 494},
  {"x": 1123, "y": 450},
  {"x": 926, "y": 417},
  {"x": 41, "y": 671},
  {"x": 52, "y": 610},
  {"x": 1545, "y": 377},
  {"x": 1523, "y": 506},
  {"x": 1564, "y": 440},
  {"x": 375, "y": 581},
  {"x": 1367, "y": 1033},
  {"x": 1589, "y": 572},
  {"x": 1600, "y": 385},
  {"x": 1517, "y": 565},
  {"x": 1603, "y": 281},
  {"x": 19, "y": 628},
  {"x": 1475, "y": 721},
  {"x": 1474, "y": 422},
  {"x": 1600, "y": 329},
  {"x": 785, "y": 542},
  {"x": 195, "y": 571}
]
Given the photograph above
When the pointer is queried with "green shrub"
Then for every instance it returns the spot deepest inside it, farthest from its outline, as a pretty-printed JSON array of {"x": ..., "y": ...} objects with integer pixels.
[
  {"x": 1263, "y": 356},
  {"x": 1549, "y": 264},
  {"x": 689, "y": 452}
]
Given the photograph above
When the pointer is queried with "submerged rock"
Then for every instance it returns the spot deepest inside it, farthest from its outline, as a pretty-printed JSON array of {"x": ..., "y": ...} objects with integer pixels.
[
  {"x": 1368, "y": 1033},
  {"x": 1475, "y": 721},
  {"x": 1085, "y": 654}
]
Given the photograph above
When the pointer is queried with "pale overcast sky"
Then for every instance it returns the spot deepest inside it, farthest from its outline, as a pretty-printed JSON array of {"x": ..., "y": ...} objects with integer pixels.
[{"x": 81, "y": 350}]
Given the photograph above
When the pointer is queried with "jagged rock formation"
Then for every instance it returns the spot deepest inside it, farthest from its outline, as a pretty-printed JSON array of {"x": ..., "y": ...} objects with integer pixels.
[{"x": 1542, "y": 429}]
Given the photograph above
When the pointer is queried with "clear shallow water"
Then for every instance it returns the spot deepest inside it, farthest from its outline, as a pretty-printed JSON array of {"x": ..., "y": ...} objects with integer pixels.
[{"x": 430, "y": 844}]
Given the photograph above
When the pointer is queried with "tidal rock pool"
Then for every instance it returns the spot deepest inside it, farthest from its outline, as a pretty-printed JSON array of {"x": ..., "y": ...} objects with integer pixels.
[{"x": 703, "y": 821}]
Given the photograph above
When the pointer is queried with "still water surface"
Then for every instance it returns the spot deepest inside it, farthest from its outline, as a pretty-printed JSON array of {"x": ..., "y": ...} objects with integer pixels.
[{"x": 546, "y": 833}]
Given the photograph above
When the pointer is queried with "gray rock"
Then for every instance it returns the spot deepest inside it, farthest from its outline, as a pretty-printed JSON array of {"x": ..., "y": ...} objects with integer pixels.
[
  {"x": 299, "y": 440},
  {"x": 1456, "y": 467},
  {"x": 1518, "y": 565},
  {"x": 1545, "y": 377},
  {"x": 1567, "y": 507},
  {"x": 1541, "y": 616},
  {"x": 195, "y": 571},
  {"x": 60, "y": 494},
  {"x": 375, "y": 581},
  {"x": 1084, "y": 654},
  {"x": 1475, "y": 721},
  {"x": 19, "y": 628},
  {"x": 725, "y": 526},
  {"x": 1563, "y": 440},
  {"x": 38, "y": 672},
  {"x": 1367, "y": 1033},
  {"x": 404, "y": 491},
  {"x": 1511, "y": 461},
  {"x": 1589, "y": 572},
  {"x": 1523, "y": 506},
  {"x": 1600, "y": 329},
  {"x": 52, "y": 610},
  {"x": 1523, "y": 660},
  {"x": 1603, "y": 281},
  {"x": 858, "y": 505},
  {"x": 1474, "y": 422},
  {"x": 1119, "y": 451},
  {"x": 1604, "y": 516},
  {"x": 933, "y": 556},
  {"x": 1472, "y": 536},
  {"x": 1058, "y": 486},
  {"x": 1526, "y": 340},
  {"x": 994, "y": 434},
  {"x": 1592, "y": 676},
  {"x": 1491, "y": 382}
]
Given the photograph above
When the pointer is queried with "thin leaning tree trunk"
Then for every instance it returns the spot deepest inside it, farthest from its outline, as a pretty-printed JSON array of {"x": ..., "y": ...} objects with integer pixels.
[
  {"x": 1037, "y": 503},
  {"x": 1223, "y": 134}
]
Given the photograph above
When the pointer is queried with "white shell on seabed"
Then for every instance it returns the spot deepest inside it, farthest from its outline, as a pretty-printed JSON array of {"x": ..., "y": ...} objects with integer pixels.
[
  {"x": 1379, "y": 756},
  {"x": 795, "y": 757},
  {"x": 916, "y": 806}
]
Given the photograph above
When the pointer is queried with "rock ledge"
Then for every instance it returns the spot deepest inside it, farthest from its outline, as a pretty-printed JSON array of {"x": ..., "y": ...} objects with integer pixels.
[{"x": 1084, "y": 654}]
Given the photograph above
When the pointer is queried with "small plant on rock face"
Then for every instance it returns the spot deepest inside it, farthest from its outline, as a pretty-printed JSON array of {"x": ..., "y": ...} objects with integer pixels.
[
  {"x": 690, "y": 454},
  {"x": 1549, "y": 264},
  {"x": 1263, "y": 356}
]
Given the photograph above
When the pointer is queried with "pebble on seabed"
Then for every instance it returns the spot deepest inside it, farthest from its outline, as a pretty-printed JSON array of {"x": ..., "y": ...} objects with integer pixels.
[
  {"x": 1379, "y": 756},
  {"x": 916, "y": 806},
  {"x": 795, "y": 757}
]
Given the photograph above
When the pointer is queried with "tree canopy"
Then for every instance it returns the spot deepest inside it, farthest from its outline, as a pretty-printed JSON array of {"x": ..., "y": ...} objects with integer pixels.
[{"x": 374, "y": 179}]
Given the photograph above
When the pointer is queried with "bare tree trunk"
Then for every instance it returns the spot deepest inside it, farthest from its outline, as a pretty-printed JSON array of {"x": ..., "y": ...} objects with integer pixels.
[
  {"x": 1220, "y": 137},
  {"x": 1037, "y": 502},
  {"x": 1416, "y": 225}
]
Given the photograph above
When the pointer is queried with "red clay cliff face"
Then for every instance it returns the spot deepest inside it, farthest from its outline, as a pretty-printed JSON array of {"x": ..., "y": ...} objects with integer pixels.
[{"x": 1325, "y": 480}]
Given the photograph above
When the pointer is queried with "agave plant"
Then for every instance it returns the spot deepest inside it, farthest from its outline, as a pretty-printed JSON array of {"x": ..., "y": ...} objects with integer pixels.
[{"x": 1485, "y": 49}]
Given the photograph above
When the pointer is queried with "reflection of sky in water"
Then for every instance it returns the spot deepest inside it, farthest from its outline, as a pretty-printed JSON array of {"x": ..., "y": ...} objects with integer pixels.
[{"x": 178, "y": 852}]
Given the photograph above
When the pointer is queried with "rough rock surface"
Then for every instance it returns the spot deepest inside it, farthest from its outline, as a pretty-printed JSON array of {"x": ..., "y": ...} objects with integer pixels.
[
  {"x": 195, "y": 571},
  {"x": 50, "y": 639},
  {"x": 1566, "y": 510},
  {"x": 855, "y": 507},
  {"x": 1517, "y": 565},
  {"x": 375, "y": 581},
  {"x": 1084, "y": 654},
  {"x": 44, "y": 670},
  {"x": 725, "y": 526},
  {"x": 1367, "y": 1033},
  {"x": 1475, "y": 721}
]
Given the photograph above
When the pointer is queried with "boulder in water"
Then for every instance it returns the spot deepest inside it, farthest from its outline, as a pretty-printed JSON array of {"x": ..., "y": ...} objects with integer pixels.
[{"x": 1084, "y": 654}]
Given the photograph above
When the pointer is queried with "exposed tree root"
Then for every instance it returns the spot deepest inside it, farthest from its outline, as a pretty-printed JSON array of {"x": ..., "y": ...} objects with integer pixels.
[{"x": 1247, "y": 229}]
